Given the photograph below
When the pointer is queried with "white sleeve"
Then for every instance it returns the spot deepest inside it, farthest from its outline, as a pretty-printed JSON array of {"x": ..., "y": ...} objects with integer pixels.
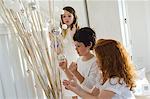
[
  {"x": 90, "y": 80},
  {"x": 113, "y": 86},
  {"x": 97, "y": 85}
]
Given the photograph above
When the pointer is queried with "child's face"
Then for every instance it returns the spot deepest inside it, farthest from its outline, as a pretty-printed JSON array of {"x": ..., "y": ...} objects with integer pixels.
[
  {"x": 81, "y": 49},
  {"x": 67, "y": 18}
]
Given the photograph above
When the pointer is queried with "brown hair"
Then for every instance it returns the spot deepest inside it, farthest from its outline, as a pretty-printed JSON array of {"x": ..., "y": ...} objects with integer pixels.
[
  {"x": 114, "y": 62},
  {"x": 72, "y": 11}
]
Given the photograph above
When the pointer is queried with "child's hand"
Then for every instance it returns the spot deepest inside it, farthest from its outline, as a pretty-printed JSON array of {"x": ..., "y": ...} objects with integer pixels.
[
  {"x": 63, "y": 64},
  {"x": 73, "y": 67},
  {"x": 72, "y": 85}
]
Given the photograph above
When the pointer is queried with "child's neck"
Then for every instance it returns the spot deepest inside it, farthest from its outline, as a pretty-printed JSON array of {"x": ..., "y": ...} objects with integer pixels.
[{"x": 87, "y": 57}]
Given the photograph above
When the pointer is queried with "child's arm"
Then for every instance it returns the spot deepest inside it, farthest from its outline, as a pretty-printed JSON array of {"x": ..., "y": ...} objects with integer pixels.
[
  {"x": 105, "y": 94},
  {"x": 73, "y": 86},
  {"x": 79, "y": 76},
  {"x": 73, "y": 68},
  {"x": 76, "y": 88},
  {"x": 68, "y": 74},
  {"x": 63, "y": 66},
  {"x": 88, "y": 81}
]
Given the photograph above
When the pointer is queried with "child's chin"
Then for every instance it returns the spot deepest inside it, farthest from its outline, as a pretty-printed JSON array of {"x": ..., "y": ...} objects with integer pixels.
[{"x": 68, "y": 24}]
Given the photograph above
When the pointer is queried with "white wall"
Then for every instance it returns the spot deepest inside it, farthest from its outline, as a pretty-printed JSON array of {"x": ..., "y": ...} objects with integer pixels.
[
  {"x": 104, "y": 18},
  {"x": 148, "y": 33},
  {"x": 139, "y": 13}
]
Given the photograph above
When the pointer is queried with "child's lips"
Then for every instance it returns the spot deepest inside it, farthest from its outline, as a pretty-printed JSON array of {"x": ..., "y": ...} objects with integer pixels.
[{"x": 67, "y": 21}]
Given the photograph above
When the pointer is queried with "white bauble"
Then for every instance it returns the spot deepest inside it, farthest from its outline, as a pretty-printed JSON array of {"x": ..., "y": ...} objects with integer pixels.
[
  {"x": 64, "y": 26},
  {"x": 56, "y": 31}
]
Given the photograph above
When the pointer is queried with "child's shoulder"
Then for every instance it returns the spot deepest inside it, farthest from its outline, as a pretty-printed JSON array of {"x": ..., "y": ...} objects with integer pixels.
[{"x": 91, "y": 60}]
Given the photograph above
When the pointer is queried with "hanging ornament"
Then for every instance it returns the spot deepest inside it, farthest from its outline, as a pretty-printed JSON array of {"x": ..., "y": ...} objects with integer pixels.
[
  {"x": 64, "y": 26},
  {"x": 28, "y": 26},
  {"x": 61, "y": 57},
  {"x": 56, "y": 30},
  {"x": 28, "y": 71},
  {"x": 32, "y": 5},
  {"x": 26, "y": 23}
]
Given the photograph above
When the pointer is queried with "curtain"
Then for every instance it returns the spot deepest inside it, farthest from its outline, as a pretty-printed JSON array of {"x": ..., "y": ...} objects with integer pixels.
[{"x": 16, "y": 82}]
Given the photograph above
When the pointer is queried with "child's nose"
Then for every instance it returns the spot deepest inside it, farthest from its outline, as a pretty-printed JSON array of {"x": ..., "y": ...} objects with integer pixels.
[{"x": 67, "y": 18}]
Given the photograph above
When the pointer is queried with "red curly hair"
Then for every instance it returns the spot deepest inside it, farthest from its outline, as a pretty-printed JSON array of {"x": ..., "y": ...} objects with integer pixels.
[{"x": 114, "y": 62}]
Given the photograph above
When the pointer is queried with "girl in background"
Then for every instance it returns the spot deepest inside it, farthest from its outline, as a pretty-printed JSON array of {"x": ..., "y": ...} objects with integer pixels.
[
  {"x": 117, "y": 73},
  {"x": 69, "y": 26}
]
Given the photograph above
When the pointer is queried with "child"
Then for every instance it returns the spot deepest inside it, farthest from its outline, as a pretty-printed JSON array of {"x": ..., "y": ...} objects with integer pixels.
[
  {"x": 69, "y": 26},
  {"x": 117, "y": 73},
  {"x": 85, "y": 69},
  {"x": 69, "y": 21}
]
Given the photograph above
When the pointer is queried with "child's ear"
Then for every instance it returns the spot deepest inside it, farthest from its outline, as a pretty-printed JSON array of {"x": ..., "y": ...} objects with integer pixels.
[{"x": 90, "y": 45}]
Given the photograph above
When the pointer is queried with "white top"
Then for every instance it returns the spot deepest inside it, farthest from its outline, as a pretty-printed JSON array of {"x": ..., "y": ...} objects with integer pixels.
[
  {"x": 69, "y": 47},
  {"x": 89, "y": 70},
  {"x": 71, "y": 56},
  {"x": 121, "y": 91}
]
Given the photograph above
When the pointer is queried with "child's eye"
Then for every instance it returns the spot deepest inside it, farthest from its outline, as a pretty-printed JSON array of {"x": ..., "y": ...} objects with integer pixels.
[
  {"x": 69, "y": 16},
  {"x": 64, "y": 16},
  {"x": 78, "y": 46}
]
